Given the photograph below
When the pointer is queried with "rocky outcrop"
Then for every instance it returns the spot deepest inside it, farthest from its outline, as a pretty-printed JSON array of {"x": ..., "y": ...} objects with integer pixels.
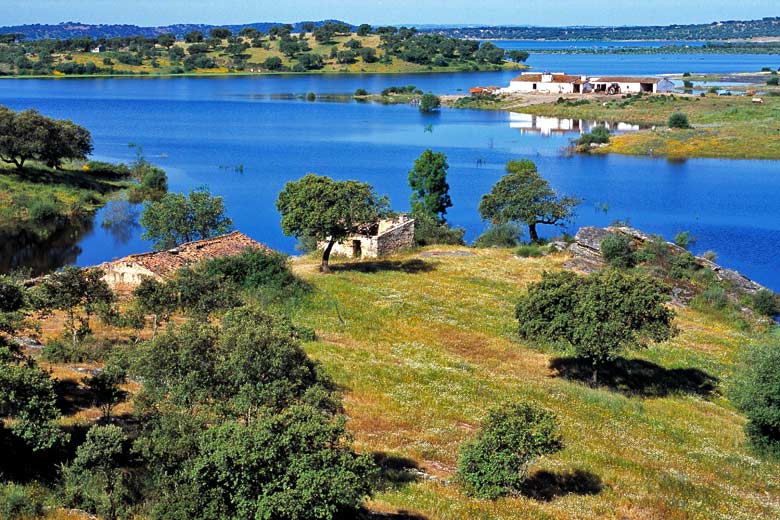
[{"x": 586, "y": 256}]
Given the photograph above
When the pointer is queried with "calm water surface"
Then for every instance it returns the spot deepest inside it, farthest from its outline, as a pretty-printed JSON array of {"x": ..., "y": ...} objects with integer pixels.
[{"x": 202, "y": 130}]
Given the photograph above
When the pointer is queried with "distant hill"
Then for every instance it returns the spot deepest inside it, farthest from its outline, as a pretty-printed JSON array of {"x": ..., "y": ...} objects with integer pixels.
[
  {"x": 728, "y": 30},
  {"x": 66, "y": 30}
]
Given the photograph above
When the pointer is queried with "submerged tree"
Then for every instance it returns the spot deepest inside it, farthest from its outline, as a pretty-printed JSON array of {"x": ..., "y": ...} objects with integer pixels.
[
  {"x": 328, "y": 210},
  {"x": 523, "y": 196},
  {"x": 600, "y": 315}
]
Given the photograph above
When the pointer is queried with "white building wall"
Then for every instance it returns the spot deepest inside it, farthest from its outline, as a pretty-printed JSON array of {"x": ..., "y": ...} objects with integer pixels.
[{"x": 546, "y": 88}]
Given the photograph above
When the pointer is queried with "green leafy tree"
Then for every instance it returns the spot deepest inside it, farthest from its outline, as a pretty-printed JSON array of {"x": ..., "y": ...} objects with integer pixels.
[
  {"x": 96, "y": 479},
  {"x": 156, "y": 298},
  {"x": 429, "y": 103},
  {"x": 200, "y": 292},
  {"x": 523, "y": 196},
  {"x": 496, "y": 461},
  {"x": 193, "y": 37},
  {"x": 518, "y": 56},
  {"x": 220, "y": 33},
  {"x": 29, "y": 135},
  {"x": 363, "y": 29},
  {"x": 599, "y": 316},
  {"x": 166, "y": 40},
  {"x": 328, "y": 210},
  {"x": 13, "y": 304},
  {"x": 755, "y": 392},
  {"x": 28, "y": 399},
  {"x": 176, "y": 218},
  {"x": 430, "y": 191},
  {"x": 78, "y": 292}
]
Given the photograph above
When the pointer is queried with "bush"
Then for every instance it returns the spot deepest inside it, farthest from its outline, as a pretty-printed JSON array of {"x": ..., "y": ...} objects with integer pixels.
[
  {"x": 501, "y": 235},
  {"x": 710, "y": 255},
  {"x": 773, "y": 81},
  {"x": 361, "y": 92},
  {"x": 311, "y": 96},
  {"x": 599, "y": 135},
  {"x": 766, "y": 302},
  {"x": 684, "y": 239},
  {"x": 617, "y": 251},
  {"x": 255, "y": 269},
  {"x": 18, "y": 502},
  {"x": 61, "y": 350},
  {"x": 105, "y": 169},
  {"x": 529, "y": 251},
  {"x": 678, "y": 120},
  {"x": 428, "y": 231},
  {"x": 43, "y": 210},
  {"x": 682, "y": 266},
  {"x": 496, "y": 461},
  {"x": 714, "y": 296},
  {"x": 429, "y": 103},
  {"x": 755, "y": 392}
]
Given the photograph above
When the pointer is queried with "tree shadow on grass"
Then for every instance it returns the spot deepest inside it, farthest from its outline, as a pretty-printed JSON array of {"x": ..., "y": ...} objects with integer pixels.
[
  {"x": 395, "y": 471},
  {"x": 66, "y": 178},
  {"x": 548, "y": 485},
  {"x": 637, "y": 377},
  {"x": 412, "y": 266},
  {"x": 72, "y": 397}
]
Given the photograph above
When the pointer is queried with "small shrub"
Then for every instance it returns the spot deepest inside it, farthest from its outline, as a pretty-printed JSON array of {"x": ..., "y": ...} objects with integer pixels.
[
  {"x": 529, "y": 251},
  {"x": 496, "y": 461},
  {"x": 617, "y": 251},
  {"x": 684, "y": 239},
  {"x": 502, "y": 235},
  {"x": 361, "y": 92},
  {"x": 678, "y": 120},
  {"x": 766, "y": 302},
  {"x": 430, "y": 103},
  {"x": 255, "y": 269},
  {"x": 61, "y": 350},
  {"x": 682, "y": 266},
  {"x": 773, "y": 81},
  {"x": 599, "y": 135},
  {"x": 714, "y": 297},
  {"x": 428, "y": 231},
  {"x": 311, "y": 96},
  {"x": 654, "y": 252},
  {"x": 19, "y": 503},
  {"x": 43, "y": 210},
  {"x": 710, "y": 255},
  {"x": 755, "y": 392}
]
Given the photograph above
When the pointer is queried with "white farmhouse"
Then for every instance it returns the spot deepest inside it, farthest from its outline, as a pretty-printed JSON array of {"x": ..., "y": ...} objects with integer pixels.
[{"x": 561, "y": 83}]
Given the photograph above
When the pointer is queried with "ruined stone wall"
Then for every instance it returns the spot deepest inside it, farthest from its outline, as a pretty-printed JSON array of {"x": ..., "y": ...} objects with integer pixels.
[
  {"x": 401, "y": 237},
  {"x": 124, "y": 275}
]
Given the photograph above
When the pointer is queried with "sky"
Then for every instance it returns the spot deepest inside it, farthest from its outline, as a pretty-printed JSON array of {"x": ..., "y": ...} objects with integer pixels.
[{"x": 410, "y": 12}]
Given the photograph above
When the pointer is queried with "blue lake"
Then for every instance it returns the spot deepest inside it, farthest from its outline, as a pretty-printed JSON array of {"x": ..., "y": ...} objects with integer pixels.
[{"x": 202, "y": 130}]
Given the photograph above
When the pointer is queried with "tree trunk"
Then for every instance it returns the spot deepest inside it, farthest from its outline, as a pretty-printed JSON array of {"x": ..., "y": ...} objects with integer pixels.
[
  {"x": 326, "y": 255},
  {"x": 73, "y": 329},
  {"x": 595, "y": 378},
  {"x": 154, "y": 326},
  {"x": 532, "y": 233}
]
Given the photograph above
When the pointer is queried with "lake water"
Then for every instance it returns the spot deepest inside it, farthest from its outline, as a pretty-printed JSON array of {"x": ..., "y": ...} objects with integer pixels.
[{"x": 202, "y": 130}]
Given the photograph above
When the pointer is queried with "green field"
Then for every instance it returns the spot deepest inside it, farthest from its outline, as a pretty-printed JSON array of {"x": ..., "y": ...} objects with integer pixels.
[{"x": 428, "y": 344}]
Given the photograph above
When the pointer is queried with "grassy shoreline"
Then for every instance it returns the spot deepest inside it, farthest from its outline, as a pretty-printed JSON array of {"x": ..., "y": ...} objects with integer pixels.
[{"x": 726, "y": 127}]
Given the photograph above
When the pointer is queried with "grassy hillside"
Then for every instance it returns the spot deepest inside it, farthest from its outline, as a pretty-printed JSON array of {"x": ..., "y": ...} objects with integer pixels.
[
  {"x": 428, "y": 345},
  {"x": 159, "y": 60}
]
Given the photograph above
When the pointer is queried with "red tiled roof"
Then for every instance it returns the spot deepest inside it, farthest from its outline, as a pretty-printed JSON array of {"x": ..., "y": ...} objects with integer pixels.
[
  {"x": 556, "y": 78},
  {"x": 624, "y": 79},
  {"x": 165, "y": 263}
]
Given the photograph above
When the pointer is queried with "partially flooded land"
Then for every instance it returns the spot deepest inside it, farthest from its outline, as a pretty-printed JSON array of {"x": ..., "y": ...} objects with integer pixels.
[{"x": 728, "y": 127}]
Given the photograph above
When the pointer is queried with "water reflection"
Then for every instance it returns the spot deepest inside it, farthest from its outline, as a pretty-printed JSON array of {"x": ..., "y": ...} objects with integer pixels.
[
  {"x": 25, "y": 249},
  {"x": 548, "y": 126},
  {"x": 120, "y": 220}
]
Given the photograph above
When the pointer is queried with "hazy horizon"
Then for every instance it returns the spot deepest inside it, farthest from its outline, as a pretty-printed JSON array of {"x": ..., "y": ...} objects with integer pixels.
[{"x": 409, "y": 12}]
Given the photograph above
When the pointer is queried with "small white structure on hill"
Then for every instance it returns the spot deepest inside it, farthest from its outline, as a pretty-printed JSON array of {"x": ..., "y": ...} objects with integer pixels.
[
  {"x": 561, "y": 83},
  {"x": 375, "y": 240}
]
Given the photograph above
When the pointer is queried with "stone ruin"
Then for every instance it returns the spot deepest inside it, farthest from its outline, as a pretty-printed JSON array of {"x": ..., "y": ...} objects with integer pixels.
[{"x": 586, "y": 257}]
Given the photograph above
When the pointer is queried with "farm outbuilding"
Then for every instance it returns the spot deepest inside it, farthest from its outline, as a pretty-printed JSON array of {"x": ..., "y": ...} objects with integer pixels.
[
  {"x": 126, "y": 273},
  {"x": 561, "y": 83}
]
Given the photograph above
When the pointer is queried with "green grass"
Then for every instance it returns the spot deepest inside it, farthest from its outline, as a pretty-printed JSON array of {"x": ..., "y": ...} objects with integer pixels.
[
  {"x": 39, "y": 198},
  {"x": 428, "y": 345}
]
